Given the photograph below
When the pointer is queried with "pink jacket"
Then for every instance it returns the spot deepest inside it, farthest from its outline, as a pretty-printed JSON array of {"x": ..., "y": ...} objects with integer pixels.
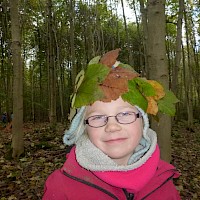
[{"x": 72, "y": 182}]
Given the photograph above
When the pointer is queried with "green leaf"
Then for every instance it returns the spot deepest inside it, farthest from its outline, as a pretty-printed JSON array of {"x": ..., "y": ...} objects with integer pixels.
[
  {"x": 94, "y": 60},
  {"x": 126, "y": 66},
  {"x": 170, "y": 95},
  {"x": 89, "y": 91},
  {"x": 146, "y": 88},
  {"x": 96, "y": 72},
  {"x": 166, "y": 105},
  {"x": 134, "y": 97}
]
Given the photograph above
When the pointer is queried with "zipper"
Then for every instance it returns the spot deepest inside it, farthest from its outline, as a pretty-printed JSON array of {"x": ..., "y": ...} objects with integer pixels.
[
  {"x": 91, "y": 185},
  {"x": 129, "y": 196}
]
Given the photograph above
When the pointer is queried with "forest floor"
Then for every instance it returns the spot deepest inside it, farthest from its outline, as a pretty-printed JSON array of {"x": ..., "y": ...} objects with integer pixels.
[{"x": 45, "y": 152}]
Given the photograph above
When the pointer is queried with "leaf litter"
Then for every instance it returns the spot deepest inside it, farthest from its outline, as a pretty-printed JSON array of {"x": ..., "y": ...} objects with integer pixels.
[{"x": 45, "y": 152}]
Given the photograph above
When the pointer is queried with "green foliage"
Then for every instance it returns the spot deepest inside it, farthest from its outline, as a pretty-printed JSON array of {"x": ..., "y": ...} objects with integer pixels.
[
  {"x": 140, "y": 89},
  {"x": 167, "y": 103},
  {"x": 144, "y": 87},
  {"x": 89, "y": 90},
  {"x": 134, "y": 96}
]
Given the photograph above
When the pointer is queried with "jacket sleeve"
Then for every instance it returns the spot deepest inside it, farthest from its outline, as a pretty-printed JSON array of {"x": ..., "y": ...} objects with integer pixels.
[
  {"x": 168, "y": 189},
  {"x": 54, "y": 187},
  {"x": 174, "y": 192}
]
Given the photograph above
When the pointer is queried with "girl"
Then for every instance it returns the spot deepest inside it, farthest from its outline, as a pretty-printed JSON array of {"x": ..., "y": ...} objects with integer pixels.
[{"x": 116, "y": 155}]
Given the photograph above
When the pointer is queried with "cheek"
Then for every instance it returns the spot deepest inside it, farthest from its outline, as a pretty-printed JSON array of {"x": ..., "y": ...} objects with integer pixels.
[
  {"x": 136, "y": 130},
  {"x": 92, "y": 134},
  {"x": 89, "y": 131}
]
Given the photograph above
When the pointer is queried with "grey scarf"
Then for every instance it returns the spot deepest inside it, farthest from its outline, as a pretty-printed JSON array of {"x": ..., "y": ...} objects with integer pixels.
[{"x": 92, "y": 158}]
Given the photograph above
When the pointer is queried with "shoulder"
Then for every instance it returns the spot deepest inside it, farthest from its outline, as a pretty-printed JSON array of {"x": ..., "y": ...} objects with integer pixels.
[
  {"x": 58, "y": 175},
  {"x": 54, "y": 186},
  {"x": 55, "y": 176},
  {"x": 162, "y": 183},
  {"x": 62, "y": 184},
  {"x": 167, "y": 169}
]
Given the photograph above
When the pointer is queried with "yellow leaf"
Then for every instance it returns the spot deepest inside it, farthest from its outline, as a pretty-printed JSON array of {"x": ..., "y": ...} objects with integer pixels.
[
  {"x": 18, "y": 182},
  {"x": 12, "y": 197},
  {"x": 152, "y": 106},
  {"x": 79, "y": 79},
  {"x": 23, "y": 159},
  {"x": 62, "y": 146},
  {"x": 158, "y": 88}
]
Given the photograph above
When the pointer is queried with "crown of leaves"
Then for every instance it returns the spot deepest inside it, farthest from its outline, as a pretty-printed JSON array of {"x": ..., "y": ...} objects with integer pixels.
[{"x": 107, "y": 79}]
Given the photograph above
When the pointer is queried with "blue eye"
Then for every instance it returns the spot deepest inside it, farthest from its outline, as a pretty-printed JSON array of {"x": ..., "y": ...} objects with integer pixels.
[
  {"x": 123, "y": 114},
  {"x": 97, "y": 117}
]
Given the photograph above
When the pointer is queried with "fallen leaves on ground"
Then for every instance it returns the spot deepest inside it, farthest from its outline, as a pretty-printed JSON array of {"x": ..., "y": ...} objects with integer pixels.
[
  {"x": 185, "y": 156},
  {"x": 45, "y": 152}
]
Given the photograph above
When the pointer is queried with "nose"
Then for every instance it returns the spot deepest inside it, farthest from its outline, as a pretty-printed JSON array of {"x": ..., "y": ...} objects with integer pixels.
[{"x": 112, "y": 125}]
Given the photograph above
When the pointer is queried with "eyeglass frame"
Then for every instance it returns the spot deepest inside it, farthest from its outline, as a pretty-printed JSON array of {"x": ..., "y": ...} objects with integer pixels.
[{"x": 137, "y": 115}]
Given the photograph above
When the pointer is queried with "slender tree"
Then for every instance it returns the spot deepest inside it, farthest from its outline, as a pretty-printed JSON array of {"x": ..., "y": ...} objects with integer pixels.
[
  {"x": 72, "y": 46},
  {"x": 188, "y": 76},
  {"x": 17, "y": 129},
  {"x": 130, "y": 58},
  {"x": 51, "y": 64},
  {"x": 143, "y": 11},
  {"x": 175, "y": 69}
]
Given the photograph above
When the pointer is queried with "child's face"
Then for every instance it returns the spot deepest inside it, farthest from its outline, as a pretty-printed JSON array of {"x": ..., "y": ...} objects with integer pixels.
[{"x": 116, "y": 140}]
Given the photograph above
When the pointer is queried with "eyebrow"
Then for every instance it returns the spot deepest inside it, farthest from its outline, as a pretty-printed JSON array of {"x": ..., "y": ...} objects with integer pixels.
[{"x": 95, "y": 112}]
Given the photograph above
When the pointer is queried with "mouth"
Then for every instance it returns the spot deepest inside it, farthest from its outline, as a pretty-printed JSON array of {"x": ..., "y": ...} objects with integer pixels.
[{"x": 116, "y": 140}]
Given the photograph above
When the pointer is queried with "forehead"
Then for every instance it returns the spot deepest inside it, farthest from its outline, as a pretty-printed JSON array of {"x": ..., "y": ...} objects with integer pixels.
[{"x": 107, "y": 107}]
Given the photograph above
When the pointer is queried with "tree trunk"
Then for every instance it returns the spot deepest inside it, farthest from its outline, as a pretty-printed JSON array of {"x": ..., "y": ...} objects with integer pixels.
[
  {"x": 32, "y": 94},
  {"x": 178, "y": 48},
  {"x": 194, "y": 68},
  {"x": 188, "y": 78},
  {"x": 158, "y": 69},
  {"x": 6, "y": 63},
  {"x": 130, "y": 58},
  {"x": 60, "y": 82},
  {"x": 51, "y": 64},
  {"x": 143, "y": 11},
  {"x": 74, "y": 67},
  {"x": 141, "y": 53},
  {"x": 17, "y": 124}
]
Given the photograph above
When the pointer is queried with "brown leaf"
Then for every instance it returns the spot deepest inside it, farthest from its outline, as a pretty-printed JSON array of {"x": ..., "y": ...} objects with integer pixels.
[
  {"x": 116, "y": 83},
  {"x": 110, "y": 58}
]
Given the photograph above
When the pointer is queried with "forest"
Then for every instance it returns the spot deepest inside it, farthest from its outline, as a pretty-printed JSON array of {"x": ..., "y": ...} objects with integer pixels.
[{"x": 46, "y": 43}]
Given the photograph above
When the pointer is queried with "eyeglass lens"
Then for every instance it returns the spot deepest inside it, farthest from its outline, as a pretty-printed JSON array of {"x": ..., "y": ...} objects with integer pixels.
[{"x": 122, "y": 118}]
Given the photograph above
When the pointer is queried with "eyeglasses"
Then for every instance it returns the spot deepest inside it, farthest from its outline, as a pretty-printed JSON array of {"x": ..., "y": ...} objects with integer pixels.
[{"x": 97, "y": 121}]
